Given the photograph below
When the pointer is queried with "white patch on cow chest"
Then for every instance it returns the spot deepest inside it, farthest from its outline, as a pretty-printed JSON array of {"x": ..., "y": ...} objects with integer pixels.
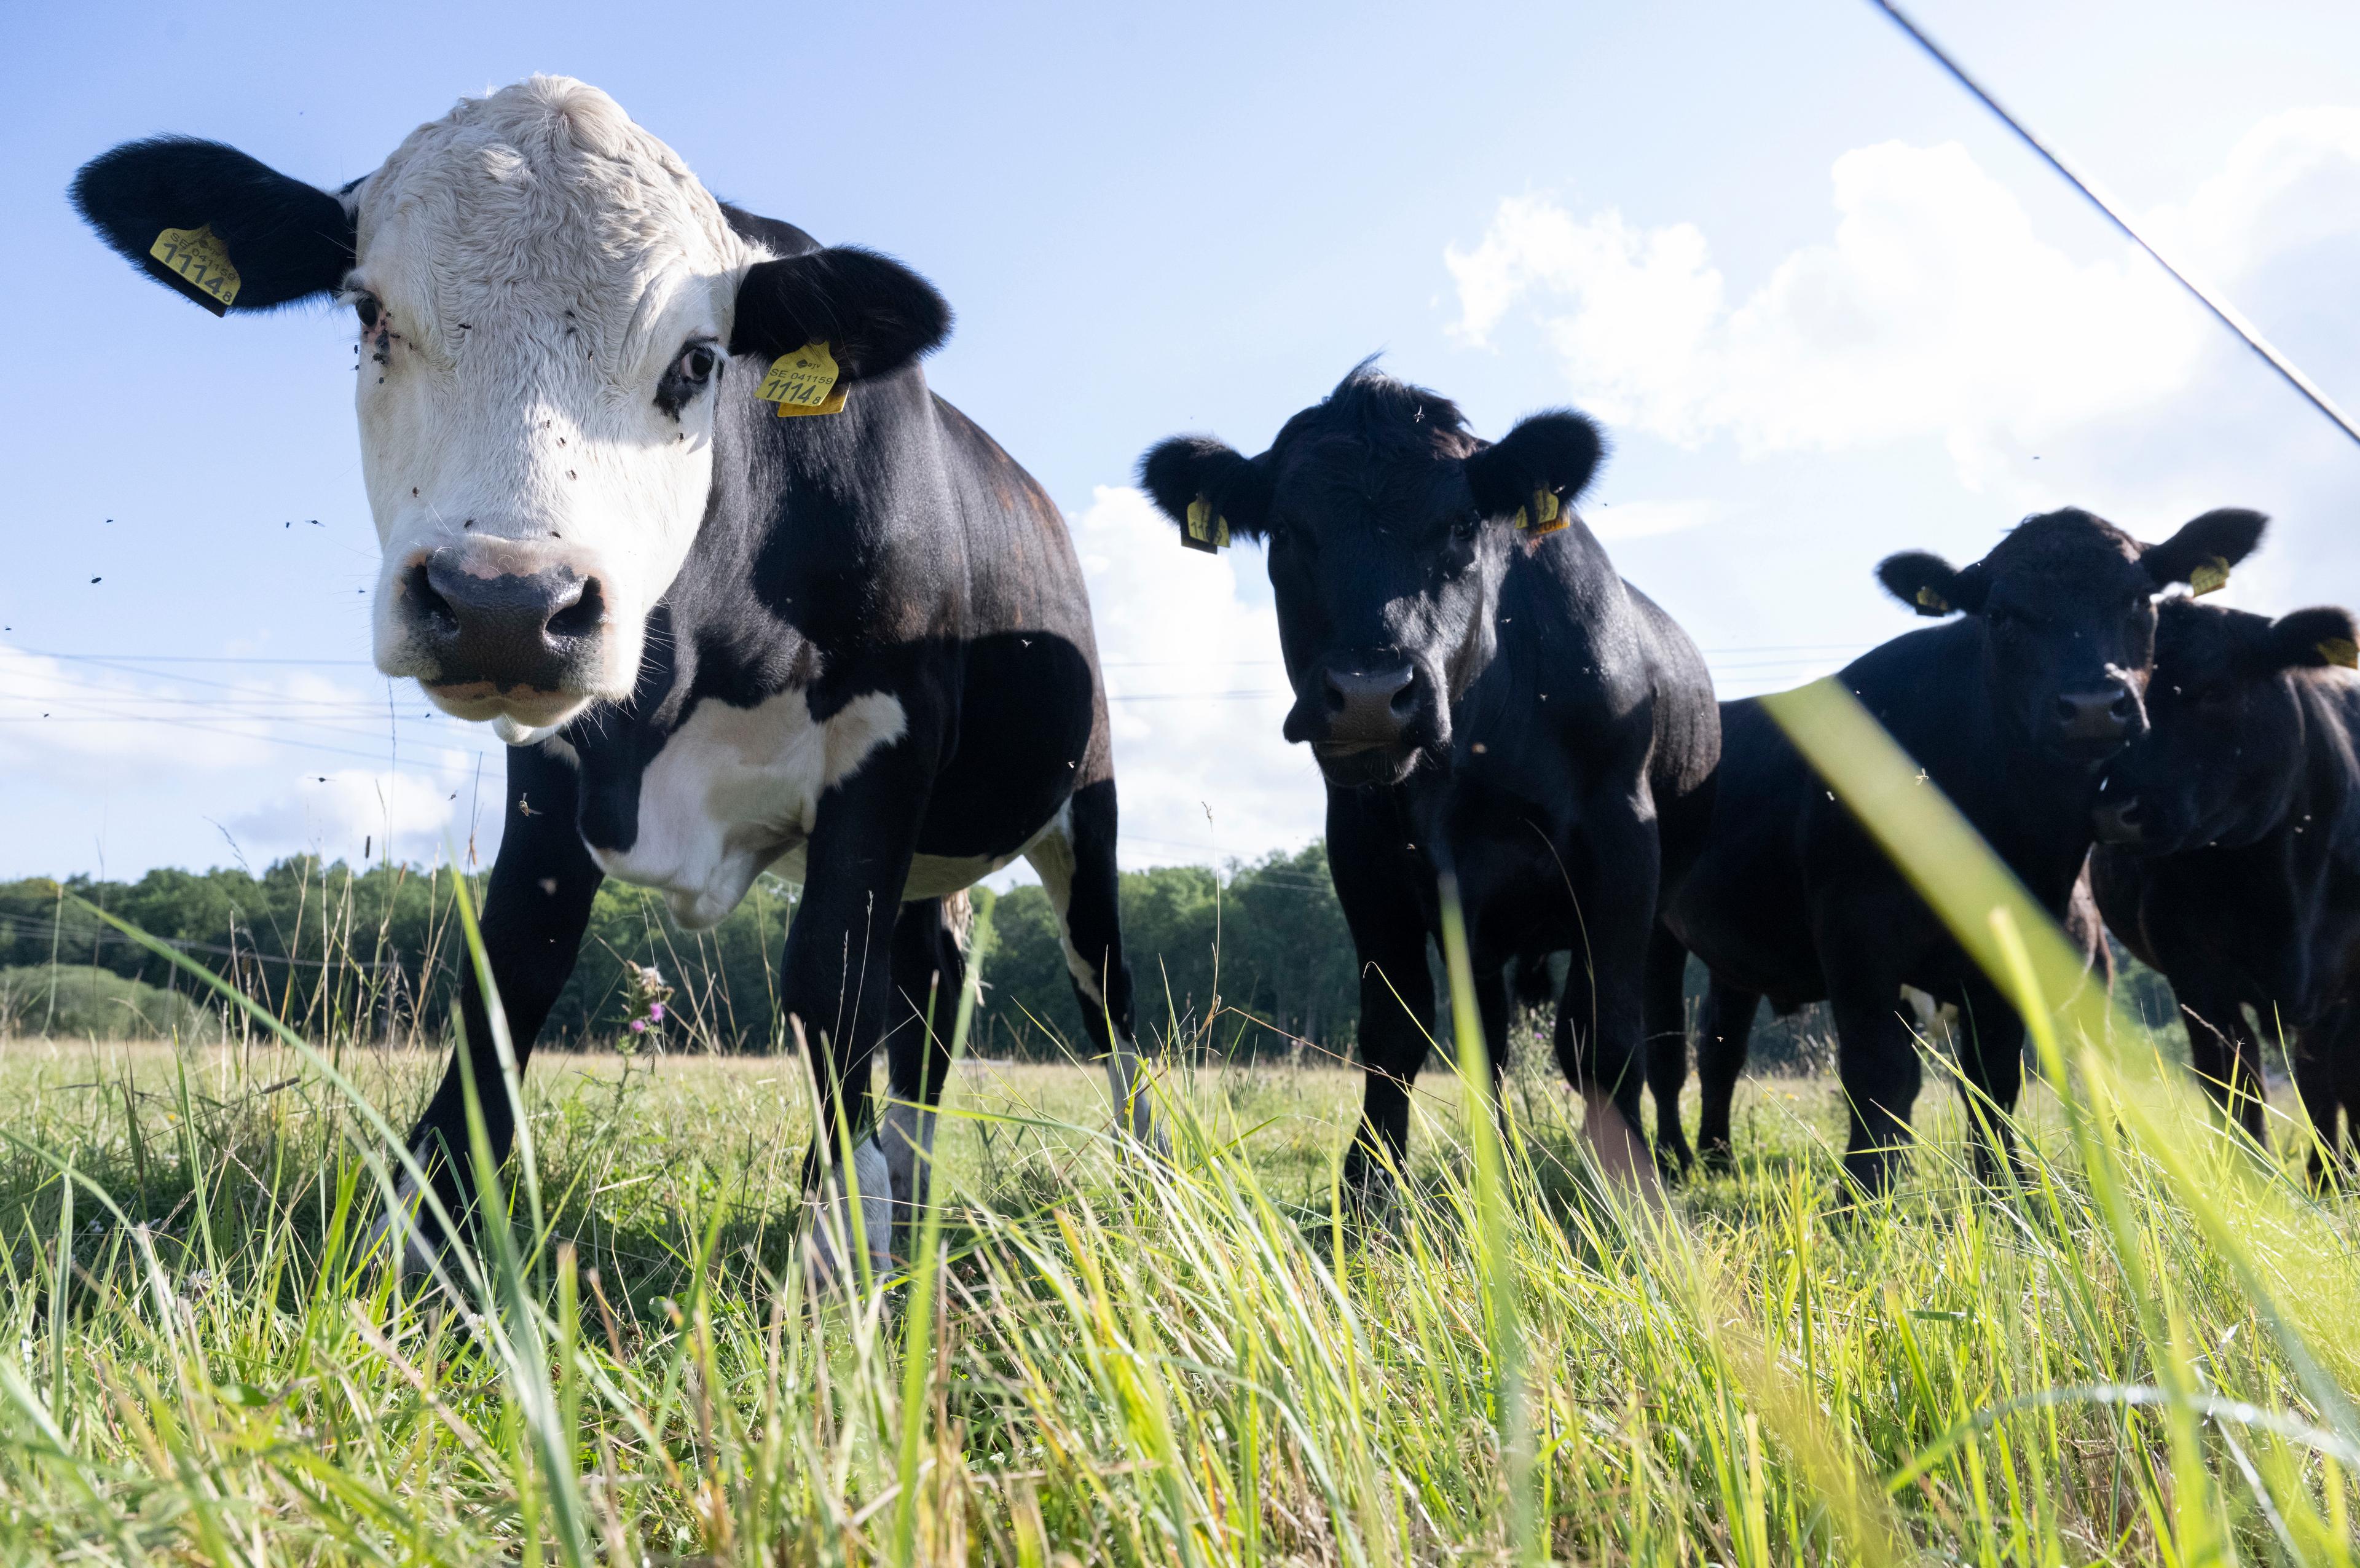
[{"x": 736, "y": 789}]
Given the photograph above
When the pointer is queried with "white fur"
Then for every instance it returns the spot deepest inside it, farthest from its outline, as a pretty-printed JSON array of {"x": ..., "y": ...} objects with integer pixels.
[
  {"x": 831, "y": 1237},
  {"x": 736, "y": 789},
  {"x": 908, "y": 1136},
  {"x": 540, "y": 261}
]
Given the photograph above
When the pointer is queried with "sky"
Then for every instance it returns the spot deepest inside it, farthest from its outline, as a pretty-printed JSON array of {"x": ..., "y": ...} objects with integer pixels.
[{"x": 1827, "y": 307}]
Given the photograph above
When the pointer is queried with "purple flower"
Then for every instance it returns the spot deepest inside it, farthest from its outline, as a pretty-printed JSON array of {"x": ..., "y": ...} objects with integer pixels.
[
  {"x": 638, "y": 1025},
  {"x": 655, "y": 1012}
]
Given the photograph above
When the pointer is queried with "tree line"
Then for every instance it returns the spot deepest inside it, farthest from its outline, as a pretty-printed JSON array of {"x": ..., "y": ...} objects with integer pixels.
[{"x": 1254, "y": 961}]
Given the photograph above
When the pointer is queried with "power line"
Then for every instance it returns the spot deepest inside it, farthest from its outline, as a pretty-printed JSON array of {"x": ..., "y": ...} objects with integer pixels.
[{"x": 2228, "y": 314}]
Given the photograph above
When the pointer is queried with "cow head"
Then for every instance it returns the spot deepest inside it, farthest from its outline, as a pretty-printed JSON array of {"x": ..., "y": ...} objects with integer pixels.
[
  {"x": 2064, "y": 608},
  {"x": 1389, "y": 526},
  {"x": 2223, "y": 753},
  {"x": 546, "y": 301}
]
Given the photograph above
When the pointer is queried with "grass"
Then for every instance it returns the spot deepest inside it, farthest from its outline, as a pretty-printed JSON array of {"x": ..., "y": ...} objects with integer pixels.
[
  {"x": 1186, "y": 1365},
  {"x": 2139, "y": 1352}
]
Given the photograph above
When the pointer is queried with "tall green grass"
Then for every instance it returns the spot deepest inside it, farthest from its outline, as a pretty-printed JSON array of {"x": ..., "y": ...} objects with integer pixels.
[{"x": 2143, "y": 1353}]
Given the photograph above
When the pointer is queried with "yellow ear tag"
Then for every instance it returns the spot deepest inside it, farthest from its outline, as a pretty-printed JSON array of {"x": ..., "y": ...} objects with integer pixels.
[
  {"x": 1933, "y": 600},
  {"x": 1208, "y": 530},
  {"x": 803, "y": 383},
  {"x": 2209, "y": 578},
  {"x": 198, "y": 258},
  {"x": 2340, "y": 650},
  {"x": 1547, "y": 508}
]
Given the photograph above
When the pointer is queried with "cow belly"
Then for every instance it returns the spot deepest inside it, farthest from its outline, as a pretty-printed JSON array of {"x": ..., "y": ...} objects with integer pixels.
[{"x": 735, "y": 793}]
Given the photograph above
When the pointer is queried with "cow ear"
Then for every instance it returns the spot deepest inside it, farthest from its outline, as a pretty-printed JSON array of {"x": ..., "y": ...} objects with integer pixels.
[
  {"x": 1550, "y": 454},
  {"x": 2314, "y": 639},
  {"x": 1212, "y": 490},
  {"x": 208, "y": 222},
  {"x": 1932, "y": 586},
  {"x": 2201, "y": 553},
  {"x": 874, "y": 314}
]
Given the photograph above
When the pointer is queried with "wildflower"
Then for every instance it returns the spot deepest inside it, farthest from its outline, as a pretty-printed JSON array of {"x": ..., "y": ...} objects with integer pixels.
[
  {"x": 638, "y": 1025},
  {"x": 655, "y": 1012}
]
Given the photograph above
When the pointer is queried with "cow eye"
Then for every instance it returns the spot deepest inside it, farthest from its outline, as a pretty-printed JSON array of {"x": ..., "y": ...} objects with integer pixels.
[
  {"x": 697, "y": 363},
  {"x": 1465, "y": 526},
  {"x": 687, "y": 376},
  {"x": 365, "y": 306}
]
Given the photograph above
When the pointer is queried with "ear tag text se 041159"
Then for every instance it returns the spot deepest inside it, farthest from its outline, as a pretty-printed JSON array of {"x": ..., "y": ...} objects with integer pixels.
[
  {"x": 1207, "y": 529},
  {"x": 2209, "y": 578},
  {"x": 1547, "y": 508},
  {"x": 198, "y": 258},
  {"x": 802, "y": 382},
  {"x": 2342, "y": 651}
]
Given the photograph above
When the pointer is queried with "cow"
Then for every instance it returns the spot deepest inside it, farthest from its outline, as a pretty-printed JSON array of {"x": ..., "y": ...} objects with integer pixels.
[
  {"x": 2229, "y": 853},
  {"x": 1489, "y": 703},
  {"x": 665, "y": 496},
  {"x": 2011, "y": 708}
]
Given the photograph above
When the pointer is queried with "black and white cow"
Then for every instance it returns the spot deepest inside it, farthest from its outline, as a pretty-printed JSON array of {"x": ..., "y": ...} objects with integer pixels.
[
  {"x": 852, "y": 647},
  {"x": 2010, "y": 709},
  {"x": 2230, "y": 851},
  {"x": 1486, "y": 698}
]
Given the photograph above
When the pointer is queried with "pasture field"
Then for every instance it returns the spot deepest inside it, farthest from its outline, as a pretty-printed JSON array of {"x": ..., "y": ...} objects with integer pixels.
[{"x": 1125, "y": 1362}]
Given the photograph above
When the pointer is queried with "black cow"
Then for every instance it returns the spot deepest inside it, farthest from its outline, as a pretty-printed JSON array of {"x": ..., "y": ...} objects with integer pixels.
[
  {"x": 851, "y": 646},
  {"x": 1487, "y": 700},
  {"x": 2229, "y": 854},
  {"x": 2011, "y": 710}
]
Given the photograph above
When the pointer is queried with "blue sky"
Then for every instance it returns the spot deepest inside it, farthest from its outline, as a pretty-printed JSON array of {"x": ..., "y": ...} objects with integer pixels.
[{"x": 1828, "y": 307}]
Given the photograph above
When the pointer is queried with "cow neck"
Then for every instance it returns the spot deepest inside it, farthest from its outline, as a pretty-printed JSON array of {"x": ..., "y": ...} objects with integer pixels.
[{"x": 2033, "y": 809}]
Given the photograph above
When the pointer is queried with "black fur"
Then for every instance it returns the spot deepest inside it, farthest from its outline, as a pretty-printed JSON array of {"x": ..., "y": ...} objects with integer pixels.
[
  {"x": 2233, "y": 860},
  {"x": 289, "y": 241},
  {"x": 1555, "y": 451},
  {"x": 1176, "y": 472},
  {"x": 1791, "y": 899},
  {"x": 876, "y": 314},
  {"x": 1541, "y": 731}
]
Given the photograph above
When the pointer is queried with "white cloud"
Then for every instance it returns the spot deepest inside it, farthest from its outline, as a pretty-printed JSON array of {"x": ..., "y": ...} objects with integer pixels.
[
  {"x": 2290, "y": 182},
  {"x": 157, "y": 766},
  {"x": 1934, "y": 310},
  {"x": 357, "y": 811},
  {"x": 1198, "y": 692}
]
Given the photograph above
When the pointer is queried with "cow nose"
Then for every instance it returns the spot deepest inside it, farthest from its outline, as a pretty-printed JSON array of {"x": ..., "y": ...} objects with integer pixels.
[
  {"x": 1368, "y": 706},
  {"x": 509, "y": 628},
  {"x": 2118, "y": 822},
  {"x": 2101, "y": 715}
]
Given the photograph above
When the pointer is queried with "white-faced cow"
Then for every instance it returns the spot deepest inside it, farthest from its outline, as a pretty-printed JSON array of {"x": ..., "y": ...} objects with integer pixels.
[
  {"x": 2230, "y": 851},
  {"x": 851, "y": 646},
  {"x": 2011, "y": 710},
  {"x": 1486, "y": 698}
]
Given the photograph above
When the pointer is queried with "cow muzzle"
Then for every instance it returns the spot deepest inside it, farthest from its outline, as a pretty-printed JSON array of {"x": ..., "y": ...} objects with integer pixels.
[
  {"x": 2093, "y": 724},
  {"x": 497, "y": 631},
  {"x": 2117, "y": 820},
  {"x": 1365, "y": 724}
]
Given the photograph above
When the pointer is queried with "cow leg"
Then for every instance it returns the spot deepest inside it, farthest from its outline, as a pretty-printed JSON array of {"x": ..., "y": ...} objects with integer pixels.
[
  {"x": 1384, "y": 909},
  {"x": 835, "y": 989},
  {"x": 1601, "y": 1032},
  {"x": 1665, "y": 1004},
  {"x": 2227, "y": 1057},
  {"x": 1991, "y": 1060},
  {"x": 1876, "y": 1060},
  {"x": 535, "y": 911},
  {"x": 929, "y": 968},
  {"x": 1723, "y": 1034},
  {"x": 1076, "y": 861}
]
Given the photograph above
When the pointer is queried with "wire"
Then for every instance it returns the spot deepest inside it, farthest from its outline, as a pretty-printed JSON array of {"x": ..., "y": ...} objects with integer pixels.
[{"x": 2228, "y": 314}]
